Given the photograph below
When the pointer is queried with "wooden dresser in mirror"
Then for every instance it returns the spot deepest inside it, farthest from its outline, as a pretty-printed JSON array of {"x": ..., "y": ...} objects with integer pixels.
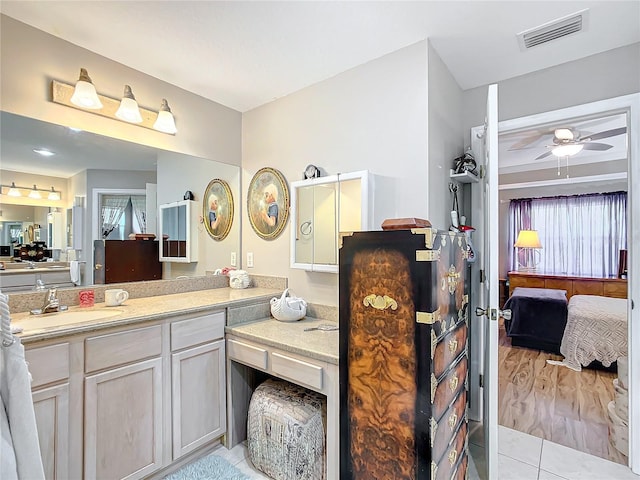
[{"x": 605, "y": 287}]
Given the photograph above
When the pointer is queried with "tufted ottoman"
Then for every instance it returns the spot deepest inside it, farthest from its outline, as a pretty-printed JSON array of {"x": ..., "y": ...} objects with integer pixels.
[{"x": 285, "y": 431}]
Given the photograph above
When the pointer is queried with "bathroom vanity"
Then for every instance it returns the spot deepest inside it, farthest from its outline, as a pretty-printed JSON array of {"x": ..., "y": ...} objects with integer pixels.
[{"x": 136, "y": 390}]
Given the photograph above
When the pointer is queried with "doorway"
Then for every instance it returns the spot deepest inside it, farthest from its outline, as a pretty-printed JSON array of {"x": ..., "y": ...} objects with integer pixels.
[{"x": 629, "y": 106}]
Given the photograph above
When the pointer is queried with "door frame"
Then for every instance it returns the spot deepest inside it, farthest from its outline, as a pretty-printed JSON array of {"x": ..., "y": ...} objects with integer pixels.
[{"x": 631, "y": 105}]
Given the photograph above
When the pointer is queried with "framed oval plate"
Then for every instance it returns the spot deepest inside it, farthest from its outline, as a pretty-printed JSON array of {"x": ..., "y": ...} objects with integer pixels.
[
  {"x": 268, "y": 203},
  {"x": 217, "y": 209}
]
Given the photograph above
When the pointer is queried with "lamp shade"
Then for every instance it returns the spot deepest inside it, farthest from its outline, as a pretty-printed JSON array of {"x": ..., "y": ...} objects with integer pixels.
[
  {"x": 84, "y": 94},
  {"x": 128, "y": 110},
  {"x": 528, "y": 239},
  {"x": 165, "y": 121},
  {"x": 567, "y": 150},
  {"x": 13, "y": 191}
]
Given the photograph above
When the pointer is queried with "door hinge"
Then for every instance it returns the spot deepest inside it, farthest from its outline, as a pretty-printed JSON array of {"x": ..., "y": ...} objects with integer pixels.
[
  {"x": 482, "y": 276},
  {"x": 481, "y": 381}
]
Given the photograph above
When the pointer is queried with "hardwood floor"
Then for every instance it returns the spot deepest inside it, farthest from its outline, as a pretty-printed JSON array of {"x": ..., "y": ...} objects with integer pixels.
[{"x": 554, "y": 402}]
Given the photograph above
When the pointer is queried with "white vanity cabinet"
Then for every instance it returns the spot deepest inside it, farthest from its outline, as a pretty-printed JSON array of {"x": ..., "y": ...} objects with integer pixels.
[
  {"x": 49, "y": 367},
  {"x": 123, "y": 418},
  {"x": 323, "y": 207},
  {"x": 178, "y": 226},
  {"x": 198, "y": 382}
]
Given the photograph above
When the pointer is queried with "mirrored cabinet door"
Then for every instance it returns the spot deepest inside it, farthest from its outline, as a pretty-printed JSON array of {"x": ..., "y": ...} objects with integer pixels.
[
  {"x": 178, "y": 223},
  {"x": 322, "y": 208}
]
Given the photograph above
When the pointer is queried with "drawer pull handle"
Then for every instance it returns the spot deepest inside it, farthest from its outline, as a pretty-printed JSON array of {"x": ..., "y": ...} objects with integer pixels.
[
  {"x": 453, "y": 345},
  {"x": 453, "y": 419},
  {"x": 453, "y": 456},
  {"x": 380, "y": 303},
  {"x": 453, "y": 383}
]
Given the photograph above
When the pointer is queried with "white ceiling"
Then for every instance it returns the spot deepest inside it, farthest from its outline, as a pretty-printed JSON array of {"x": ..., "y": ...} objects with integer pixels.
[{"x": 244, "y": 54}]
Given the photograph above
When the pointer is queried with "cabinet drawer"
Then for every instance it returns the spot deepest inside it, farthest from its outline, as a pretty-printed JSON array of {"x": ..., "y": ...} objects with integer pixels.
[
  {"x": 448, "y": 348},
  {"x": 615, "y": 289},
  {"x": 586, "y": 287},
  {"x": 247, "y": 354},
  {"x": 443, "y": 431},
  {"x": 193, "y": 331},
  {"x": 557, "y": 284},
  {"x": 297, "y": 370},
  {"x": 443, "y": 392},
  {"x": 48, "y": 364},
  {"x": 454, "y": 452},
  {"x": 120, "y": 348},
  {"x": 17, "y": 280}
]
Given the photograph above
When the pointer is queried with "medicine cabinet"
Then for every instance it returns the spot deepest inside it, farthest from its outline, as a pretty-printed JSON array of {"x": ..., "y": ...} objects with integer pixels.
[
  {"x": 55, "y": 231},
  {"x": 321, "y": 209},
  {"x": 178, "y": 226}
]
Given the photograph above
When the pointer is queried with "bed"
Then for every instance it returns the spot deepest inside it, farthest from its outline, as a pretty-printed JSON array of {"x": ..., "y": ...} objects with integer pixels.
[
  {"x": 538, "y": 318},
  {"x": 596, "y": 330}
]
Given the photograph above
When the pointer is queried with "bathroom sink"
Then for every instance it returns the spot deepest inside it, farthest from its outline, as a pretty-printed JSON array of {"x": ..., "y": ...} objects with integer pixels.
[{"x": 59, "y": 319}]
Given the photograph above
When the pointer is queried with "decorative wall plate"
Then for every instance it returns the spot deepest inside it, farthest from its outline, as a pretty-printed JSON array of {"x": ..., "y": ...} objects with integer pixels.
[{"x": 268, "y": 203}]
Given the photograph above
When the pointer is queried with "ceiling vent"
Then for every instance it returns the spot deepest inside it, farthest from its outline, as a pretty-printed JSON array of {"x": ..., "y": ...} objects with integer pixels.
[{"x": 574, "y": 23}]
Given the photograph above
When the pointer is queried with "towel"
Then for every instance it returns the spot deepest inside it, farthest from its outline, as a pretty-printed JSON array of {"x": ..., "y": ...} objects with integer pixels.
[
  {"x": 74, "y": 271},
  {"x": 17, "y": 403}
]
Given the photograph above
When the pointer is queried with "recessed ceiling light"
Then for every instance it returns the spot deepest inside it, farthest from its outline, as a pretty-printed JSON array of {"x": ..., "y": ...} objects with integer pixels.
[
  {"x": 44, "y": 152},
  {"x": 75, "y": 130}
]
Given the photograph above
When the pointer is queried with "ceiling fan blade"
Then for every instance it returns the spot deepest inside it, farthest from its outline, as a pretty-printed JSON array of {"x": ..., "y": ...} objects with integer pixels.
[
  {"x": 525, "y": 142},
  {"x": 608, "y": 133},
  {"x": 545, "y": 154},
  {"x": 596, "y": 146}
]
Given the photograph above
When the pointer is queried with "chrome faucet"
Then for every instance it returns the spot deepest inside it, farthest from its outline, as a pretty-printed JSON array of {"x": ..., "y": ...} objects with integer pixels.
[
  {"x": 40, "y": 285},
  {"x": 51, "y": 304}
]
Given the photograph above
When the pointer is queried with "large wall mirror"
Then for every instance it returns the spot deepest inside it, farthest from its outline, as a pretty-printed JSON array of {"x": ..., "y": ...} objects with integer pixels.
[{"x": 90, "y": 170}]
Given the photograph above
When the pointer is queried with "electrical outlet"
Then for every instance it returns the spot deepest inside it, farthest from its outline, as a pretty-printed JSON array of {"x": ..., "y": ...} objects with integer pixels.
[
  {"x": 250, "y": 259},
  {"x": 233, "y": 259}
]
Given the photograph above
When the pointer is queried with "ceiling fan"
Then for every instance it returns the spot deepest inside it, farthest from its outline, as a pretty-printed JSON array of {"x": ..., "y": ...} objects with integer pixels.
[{"x": 568, "y": 141}]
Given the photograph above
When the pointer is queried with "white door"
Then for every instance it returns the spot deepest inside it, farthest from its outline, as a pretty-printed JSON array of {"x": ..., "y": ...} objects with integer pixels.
[{"x": 489, "y": 296}]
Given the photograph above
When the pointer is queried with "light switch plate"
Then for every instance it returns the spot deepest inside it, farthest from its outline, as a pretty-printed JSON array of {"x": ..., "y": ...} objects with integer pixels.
[
  {"x": 233, "y": 259},
  {"x": 250, "y": 259}
]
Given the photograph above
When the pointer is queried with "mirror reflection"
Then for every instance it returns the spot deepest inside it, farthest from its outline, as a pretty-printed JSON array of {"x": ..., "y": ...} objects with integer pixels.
[{"x": 108, "y": 191}]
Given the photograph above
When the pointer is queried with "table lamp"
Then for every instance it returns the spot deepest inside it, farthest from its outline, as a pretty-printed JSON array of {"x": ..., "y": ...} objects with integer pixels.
[{"x": 528, "y": 244}]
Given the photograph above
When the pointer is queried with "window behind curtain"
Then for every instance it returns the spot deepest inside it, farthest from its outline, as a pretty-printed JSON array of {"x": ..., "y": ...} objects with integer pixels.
[{"x": 581, "y": 235}]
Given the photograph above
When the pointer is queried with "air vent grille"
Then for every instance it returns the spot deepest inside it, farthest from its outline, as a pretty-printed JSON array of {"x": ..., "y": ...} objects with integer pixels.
[{"x": 551, "y": 31}]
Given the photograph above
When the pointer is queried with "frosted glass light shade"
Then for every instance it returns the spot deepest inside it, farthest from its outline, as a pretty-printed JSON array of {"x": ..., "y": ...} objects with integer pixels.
[
  {"x": 165, "y": 121},
  {"x": 53, "y": 195},
  {"x": 528, "y": 239},
  {"x": 13, "y": 191},
  {"x": 84, "y": 94},
  {"x": 35, "y": 193},
  {"x": 567, "y": 150},
  {"x": 128, "y": 110}
]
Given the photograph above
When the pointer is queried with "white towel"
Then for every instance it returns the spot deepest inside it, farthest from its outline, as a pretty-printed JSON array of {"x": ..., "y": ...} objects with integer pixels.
[
  {"x": 74, "y": 271},
  {"x": 8, "y": 467}
]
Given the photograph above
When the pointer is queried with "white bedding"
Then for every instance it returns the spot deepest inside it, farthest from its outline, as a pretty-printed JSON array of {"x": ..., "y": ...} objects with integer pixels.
[{"x": 596, "y": 330}]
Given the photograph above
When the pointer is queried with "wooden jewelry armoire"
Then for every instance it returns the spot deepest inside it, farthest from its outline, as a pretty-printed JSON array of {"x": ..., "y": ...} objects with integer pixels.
[{"x": 403, "y": 355}]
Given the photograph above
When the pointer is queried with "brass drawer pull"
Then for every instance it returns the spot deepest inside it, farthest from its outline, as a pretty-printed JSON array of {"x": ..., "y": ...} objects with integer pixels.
[
  {"x": 380, "y": 303},
  {"x": 453, "y": 456},
  {"x": 453, "y": 383},
  {"x": 453, "y": 419},
  {"x": 453, "y": 345}
]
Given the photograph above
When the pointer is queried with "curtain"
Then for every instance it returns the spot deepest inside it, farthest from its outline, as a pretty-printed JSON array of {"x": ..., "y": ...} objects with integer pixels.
[
  {"x": 112, "y": 209},
  {"x": 581, "y": 235},
  {"x": 139, "y": 204}
]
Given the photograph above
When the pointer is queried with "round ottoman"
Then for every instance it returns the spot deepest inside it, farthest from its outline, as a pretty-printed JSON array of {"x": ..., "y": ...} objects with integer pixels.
[{"x": 285, "y": 431}]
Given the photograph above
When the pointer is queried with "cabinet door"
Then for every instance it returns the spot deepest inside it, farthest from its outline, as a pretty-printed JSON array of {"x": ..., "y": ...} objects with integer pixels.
[
  {"x": 51, "y": 407},
  {"x": 123, "y": 435},
  {"x": 198, "y": 396}
]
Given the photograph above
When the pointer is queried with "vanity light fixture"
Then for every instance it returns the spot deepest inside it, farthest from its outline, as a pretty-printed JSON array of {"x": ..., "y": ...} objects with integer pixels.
[
  {"x": 34, "y": 193},
  {"x": 53, "y": 195},
  {"x": 13, "y": 191},
  {"x": 128, "y": 110},
  {"x": 165, "y": 121},
  {"x": 125, "y": 109},
  {"x": 84, "y": 93}
]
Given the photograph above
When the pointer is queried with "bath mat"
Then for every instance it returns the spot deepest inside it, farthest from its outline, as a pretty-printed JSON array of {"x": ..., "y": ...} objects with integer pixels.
[{"x": 210, "y": 467}]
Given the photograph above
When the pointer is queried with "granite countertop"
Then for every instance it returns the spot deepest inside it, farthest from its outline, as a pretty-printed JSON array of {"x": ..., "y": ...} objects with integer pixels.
[
  {"x": 291, "y": 337},
  {"x": 44, "y": 327}
]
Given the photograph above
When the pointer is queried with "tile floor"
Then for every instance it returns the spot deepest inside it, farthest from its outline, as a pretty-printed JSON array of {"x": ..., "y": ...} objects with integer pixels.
[
  {"x": 520, "y": 457},
  {"x": 525, "y": 457}
]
